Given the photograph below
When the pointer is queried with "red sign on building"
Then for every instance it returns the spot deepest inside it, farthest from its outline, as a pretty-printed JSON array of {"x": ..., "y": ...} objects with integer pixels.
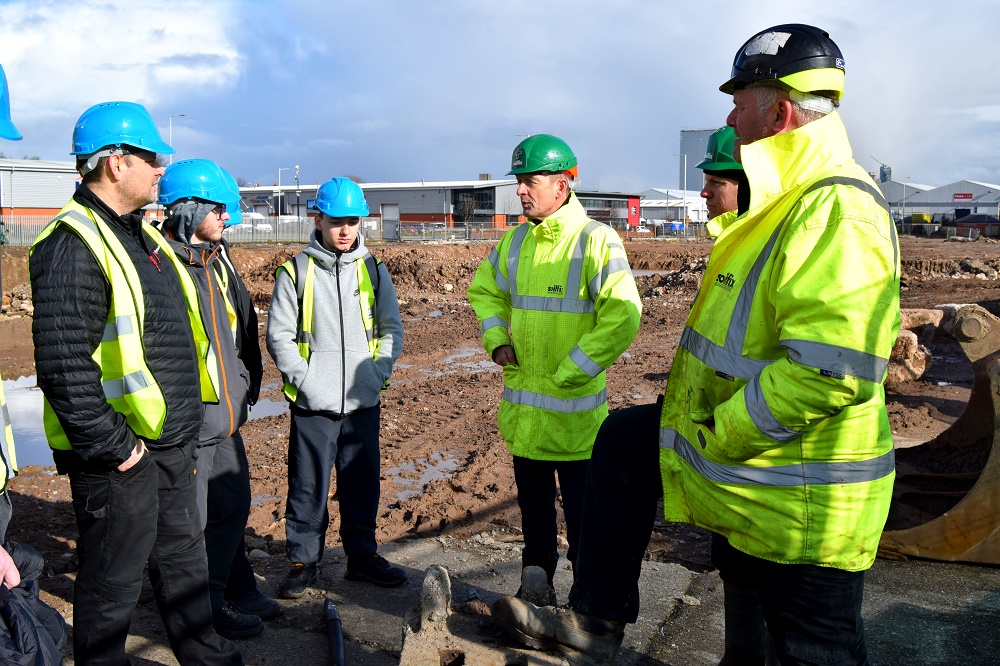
[{"x": 962, "y": 195}]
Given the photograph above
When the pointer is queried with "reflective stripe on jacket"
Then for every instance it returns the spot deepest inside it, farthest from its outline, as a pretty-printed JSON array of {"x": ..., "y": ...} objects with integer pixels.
[
  {"x": 127, "y": 382},
  {"x": 561, "y": 292},
  {"x": 783, "y": 355},
  {"x": 304, "y": 265},
  {"x": 8, "y": 457}
]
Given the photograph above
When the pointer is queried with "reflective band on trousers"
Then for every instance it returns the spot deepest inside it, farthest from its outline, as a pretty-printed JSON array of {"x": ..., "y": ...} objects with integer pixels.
[
  {"x": 542, "y": 401},
  {"x": 805, "y": 474}
]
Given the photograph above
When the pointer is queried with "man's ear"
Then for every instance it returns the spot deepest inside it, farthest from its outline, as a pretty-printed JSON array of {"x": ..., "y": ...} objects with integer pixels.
[{"x": 784, "y": 117}]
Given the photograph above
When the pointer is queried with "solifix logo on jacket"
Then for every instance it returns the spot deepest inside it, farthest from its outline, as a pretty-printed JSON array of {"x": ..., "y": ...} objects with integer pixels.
[
  {"x": 727, "y": 281},
  {"x": 556, "y": 289}
]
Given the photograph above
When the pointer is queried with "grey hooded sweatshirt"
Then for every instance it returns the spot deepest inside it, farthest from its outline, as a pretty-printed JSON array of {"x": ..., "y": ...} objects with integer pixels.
[{"x": 340, "y": 375}]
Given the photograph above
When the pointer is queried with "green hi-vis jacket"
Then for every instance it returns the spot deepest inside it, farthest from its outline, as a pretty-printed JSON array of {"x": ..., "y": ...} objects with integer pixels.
[
  {"x": 561, "y": 292},
  {"x": 774, "y": 430},
  {"x": 8, "y": 457},
  {"x": 128, "y": 384}
]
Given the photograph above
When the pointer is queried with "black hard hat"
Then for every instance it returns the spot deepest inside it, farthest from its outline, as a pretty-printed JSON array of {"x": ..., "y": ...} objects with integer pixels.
[{"x": 798, "y": 56}]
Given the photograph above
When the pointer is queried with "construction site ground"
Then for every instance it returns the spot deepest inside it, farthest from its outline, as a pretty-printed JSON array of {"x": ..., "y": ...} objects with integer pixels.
[{"x": 448, "y": 492}]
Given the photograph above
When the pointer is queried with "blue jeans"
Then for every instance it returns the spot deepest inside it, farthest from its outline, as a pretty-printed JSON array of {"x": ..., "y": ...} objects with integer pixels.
[
  {"x": 318, "y": 444},
  {"x": 146, "y": 513},
  {"x": 812, "y": 614}
]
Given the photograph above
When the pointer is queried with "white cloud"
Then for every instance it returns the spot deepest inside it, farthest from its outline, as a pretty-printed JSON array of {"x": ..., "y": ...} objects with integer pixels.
[{"x": 63, "y": 56}]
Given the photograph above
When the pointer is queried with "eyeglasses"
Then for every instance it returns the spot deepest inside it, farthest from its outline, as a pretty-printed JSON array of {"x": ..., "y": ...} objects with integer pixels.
[
  {"x": 150, "y": 158},
  {"x": 220, "y": 210}
]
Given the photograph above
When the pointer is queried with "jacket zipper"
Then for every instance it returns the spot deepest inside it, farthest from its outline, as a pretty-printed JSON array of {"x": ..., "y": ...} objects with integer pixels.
[{"x": 343, "y": 352}]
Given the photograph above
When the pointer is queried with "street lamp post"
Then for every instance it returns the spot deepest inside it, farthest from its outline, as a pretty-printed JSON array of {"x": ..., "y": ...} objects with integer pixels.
[
  {"x": 297, "y": 193},
  {"x": 170, "y": 134}
]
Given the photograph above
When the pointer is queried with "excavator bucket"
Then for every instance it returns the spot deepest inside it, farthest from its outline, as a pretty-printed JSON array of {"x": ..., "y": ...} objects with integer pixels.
[{"x": 946, "y": 499}]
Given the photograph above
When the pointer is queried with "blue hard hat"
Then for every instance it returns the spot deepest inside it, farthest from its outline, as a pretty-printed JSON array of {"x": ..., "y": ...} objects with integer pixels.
[
  {"x": 341, "y": 197},
  {"x": 194, "y": 179},
  {"x": 117, "y": 124},
  {"x": 7, "y": 129},
  {"x": 233, "y": 204}
]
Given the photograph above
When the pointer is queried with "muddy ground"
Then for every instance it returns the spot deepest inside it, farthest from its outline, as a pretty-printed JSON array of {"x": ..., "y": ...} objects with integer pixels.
[{"x": 445, "y": 470}]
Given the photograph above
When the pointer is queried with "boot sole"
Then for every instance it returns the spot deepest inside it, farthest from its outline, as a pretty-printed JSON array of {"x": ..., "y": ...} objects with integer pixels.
[
  {"x": 375, "y": 581},
  {"x": 573, "y": 656}
]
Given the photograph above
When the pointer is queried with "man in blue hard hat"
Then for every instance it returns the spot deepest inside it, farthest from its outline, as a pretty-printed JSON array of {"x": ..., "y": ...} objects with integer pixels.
[
  {"x": 334, "y": 332},
  {"x": 121, "y": 375},
  {"x": 200, "y": 203}
]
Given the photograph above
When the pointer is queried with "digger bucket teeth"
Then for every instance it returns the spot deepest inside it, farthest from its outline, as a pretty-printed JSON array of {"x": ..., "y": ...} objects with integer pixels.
[{"x": 946, "y": 497}]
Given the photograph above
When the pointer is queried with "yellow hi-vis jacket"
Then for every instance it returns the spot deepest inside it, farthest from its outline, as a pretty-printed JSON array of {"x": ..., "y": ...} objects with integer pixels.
[
  {"x": 8, "y": 457},
  {"x": 774, "y": 431},
  {"x": 302, "y": 270},
  {"x": 128, "y": 384},
  {"x": 564, "y": 289}
]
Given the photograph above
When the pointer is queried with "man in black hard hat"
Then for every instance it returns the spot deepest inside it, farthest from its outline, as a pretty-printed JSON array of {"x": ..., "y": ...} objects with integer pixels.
[{"x": 773, "y": 431}]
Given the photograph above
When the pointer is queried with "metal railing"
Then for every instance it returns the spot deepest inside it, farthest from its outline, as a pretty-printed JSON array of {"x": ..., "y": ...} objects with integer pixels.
[{"x": 21, "y": 231}]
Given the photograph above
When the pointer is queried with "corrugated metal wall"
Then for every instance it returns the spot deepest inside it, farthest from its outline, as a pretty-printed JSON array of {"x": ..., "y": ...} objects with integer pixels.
[{"x": 35, "y": 189}]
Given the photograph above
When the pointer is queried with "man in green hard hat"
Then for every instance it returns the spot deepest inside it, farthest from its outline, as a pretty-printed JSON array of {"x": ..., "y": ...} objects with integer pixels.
[
  {"x": 557, "y": 305},
  {"x": 722, "y": 177}
]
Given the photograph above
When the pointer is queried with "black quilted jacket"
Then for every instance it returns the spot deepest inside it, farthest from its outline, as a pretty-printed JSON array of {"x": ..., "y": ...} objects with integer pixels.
[{"x": 71, "y": 298}]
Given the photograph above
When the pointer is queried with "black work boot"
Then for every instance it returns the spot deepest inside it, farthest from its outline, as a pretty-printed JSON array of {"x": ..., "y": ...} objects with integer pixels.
[
  {"x": 234, "y": 625},
  {"x": 299, "y": 577},
  {"x": 374, "y": 569},
  {"x": 585, "y": 640},
  {"x": 256, "y": 603}
]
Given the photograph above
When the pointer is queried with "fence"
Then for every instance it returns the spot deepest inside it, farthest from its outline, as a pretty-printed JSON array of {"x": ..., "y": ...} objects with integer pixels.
[{"x": 21, "y": 231}]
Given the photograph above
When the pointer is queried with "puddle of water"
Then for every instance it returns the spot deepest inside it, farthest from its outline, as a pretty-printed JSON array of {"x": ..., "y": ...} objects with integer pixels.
[
  {"x": 24, "y": 404},
  {"x": 434, "y": 313},
  {"x": 438, "y": 466},
  {"x": 258, "y": 500},
  {"x": 641, "y": 272},
  {"x": 268, "y": 408}
]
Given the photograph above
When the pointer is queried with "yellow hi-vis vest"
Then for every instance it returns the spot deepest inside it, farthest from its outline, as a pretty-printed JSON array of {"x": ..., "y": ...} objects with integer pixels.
[
  {"x": 128, "y": 384},
  {"x": 304, "y": 265},
  {"x": 773, "y": 431},
  {"x": 8, "y": 457}
]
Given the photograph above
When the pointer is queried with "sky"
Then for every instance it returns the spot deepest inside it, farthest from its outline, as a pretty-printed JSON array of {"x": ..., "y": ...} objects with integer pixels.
[{"x": 401, "y": 90}]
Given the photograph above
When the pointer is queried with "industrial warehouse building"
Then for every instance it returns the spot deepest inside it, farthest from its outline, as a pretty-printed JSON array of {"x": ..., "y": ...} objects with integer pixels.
[{"x": 32, "y": 191}]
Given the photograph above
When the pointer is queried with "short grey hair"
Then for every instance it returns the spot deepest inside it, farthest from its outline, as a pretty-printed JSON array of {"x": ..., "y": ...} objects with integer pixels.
[{"x": 767, "y": 96}]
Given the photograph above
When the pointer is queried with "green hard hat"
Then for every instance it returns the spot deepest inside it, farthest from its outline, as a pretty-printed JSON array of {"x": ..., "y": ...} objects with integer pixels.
[
  {"x": 542, "y": 152},
  {"x": 719, "y": 156}
]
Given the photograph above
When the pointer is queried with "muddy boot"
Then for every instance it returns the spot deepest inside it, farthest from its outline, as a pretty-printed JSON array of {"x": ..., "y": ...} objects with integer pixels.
[
  {"x": 583, "y": 639},
  {"x": 536, "y": 588}
]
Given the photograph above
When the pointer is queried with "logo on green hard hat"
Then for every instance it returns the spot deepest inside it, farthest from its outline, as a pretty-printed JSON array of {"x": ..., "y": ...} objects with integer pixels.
[{"x": 517, "y": 161}]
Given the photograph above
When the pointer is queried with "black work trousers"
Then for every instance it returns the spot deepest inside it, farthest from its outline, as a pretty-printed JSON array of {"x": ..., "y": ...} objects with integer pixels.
[
  {"x": 318, "y": 444},
  {"x": 223, "y": 508},
  {"x": 146, "y": 513},
  {"x": 812, "y": 613},
  {"x": 536, "y": 496}
]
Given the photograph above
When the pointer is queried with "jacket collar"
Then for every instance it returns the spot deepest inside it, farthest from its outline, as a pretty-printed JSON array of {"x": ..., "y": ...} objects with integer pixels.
[
  {"x": 785, "y": 161},
  {"x": 570, "y": 215},
  {"x": 130, "y": 223},
  {"x": 328, "y": 259}
]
